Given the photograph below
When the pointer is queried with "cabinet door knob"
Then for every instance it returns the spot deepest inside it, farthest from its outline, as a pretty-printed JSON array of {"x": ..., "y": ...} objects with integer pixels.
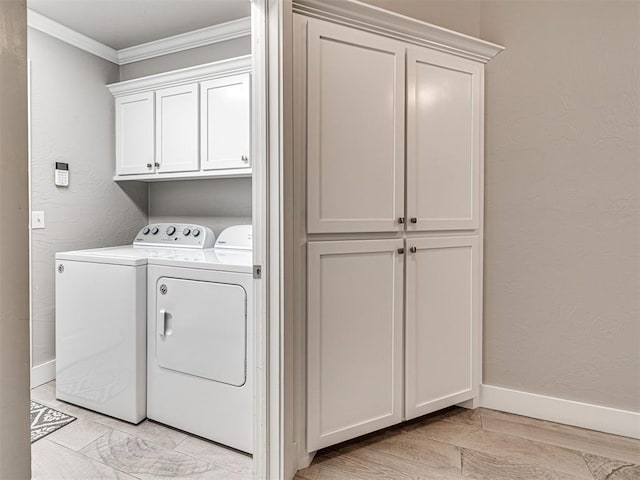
[
  {"x": 244, "y": 158},
  {"x": 149, "y": 165},
  {"x": 413, "y": 220},
  {"x": 413, "y": 249},
  {"x": 157, "y": 165},
  {"x": 400, "y": 219},
  {"x": 401, "y": 251}
]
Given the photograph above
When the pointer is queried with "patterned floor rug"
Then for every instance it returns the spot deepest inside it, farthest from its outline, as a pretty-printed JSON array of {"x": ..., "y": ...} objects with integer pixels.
[{"x": 45, "y": 420}]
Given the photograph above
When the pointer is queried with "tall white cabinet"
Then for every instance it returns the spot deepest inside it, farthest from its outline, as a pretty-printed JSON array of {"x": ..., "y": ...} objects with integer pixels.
[{"x": 388, "y": 144}]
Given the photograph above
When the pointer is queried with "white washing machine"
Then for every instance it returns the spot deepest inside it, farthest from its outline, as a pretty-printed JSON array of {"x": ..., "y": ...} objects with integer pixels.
[
  {"x": 101, "y": 318},
  {"x": 200, "y": 340}
]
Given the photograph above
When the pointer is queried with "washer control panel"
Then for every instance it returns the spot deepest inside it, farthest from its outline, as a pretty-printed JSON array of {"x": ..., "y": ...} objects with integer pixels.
[{"x": 175, "y": 235}]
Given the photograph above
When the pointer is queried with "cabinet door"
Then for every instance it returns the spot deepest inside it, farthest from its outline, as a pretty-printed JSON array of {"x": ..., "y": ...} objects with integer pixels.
[
  {"x": 225, "y": 110},
  {"x": 355, "y": 130},
  {"x": 354, "y": 376},
  {"x": 442, "y": 323},
  {"x": 134, "y": 134},
  {"x": 444, "y": 121},
  {"x": 177, "y": 129}
]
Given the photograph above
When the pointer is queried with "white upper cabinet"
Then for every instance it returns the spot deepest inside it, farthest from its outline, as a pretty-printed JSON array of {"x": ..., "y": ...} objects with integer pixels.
[
  {"x": 189, "y": 123},
  {"x": 442, "y": 321},
  {"x": 444, "y": 114},
  {"x": 134, "y": 134},
  {"x": 226, "y": 122},
  {"x": 355, "y": 130},
  {"x": 177, "y": 129}
]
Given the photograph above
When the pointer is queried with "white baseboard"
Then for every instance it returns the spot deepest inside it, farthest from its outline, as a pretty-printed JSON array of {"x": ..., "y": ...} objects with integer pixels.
[
  {"x": 568, "y": 412},
  {"x": 43, "y": 373}
]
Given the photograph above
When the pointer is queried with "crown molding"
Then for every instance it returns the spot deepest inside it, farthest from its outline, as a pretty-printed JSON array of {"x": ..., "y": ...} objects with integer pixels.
[
  {"x": 44, "y": 24},
  {"x": 185, "y": 41},
  {"x": 377, "y": 20},
  {"x": 177, "y": 43},
  {"x": 183, "y": 76}
]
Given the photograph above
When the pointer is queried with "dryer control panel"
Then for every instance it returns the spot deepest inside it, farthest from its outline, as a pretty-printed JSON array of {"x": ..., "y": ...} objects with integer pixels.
[{"x": 180, "y": 235}]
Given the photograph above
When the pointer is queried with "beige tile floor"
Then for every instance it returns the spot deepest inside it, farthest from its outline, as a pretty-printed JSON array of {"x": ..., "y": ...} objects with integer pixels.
[
  {"x": 480, "y": 444},
  {"x": 453, "y": 445},
  {"x": 98, "y": 447}
]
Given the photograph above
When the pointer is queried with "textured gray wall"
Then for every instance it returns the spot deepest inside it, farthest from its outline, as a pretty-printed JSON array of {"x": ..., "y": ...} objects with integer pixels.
[
  {"x": 188, "y": 58},
  {"x": 562, "y": 193},
  {"x": 562, "y": 264},
  {"x": 216, "y": 204},
  {"x": 15, "y": 461},
  {"x": 72, "y": 120}
]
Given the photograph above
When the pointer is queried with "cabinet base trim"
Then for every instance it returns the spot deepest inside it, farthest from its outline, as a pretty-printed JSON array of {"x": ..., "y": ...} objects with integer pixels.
[
  {"x": 559, "y": 410},
  {"x": 415, "y": 411}
]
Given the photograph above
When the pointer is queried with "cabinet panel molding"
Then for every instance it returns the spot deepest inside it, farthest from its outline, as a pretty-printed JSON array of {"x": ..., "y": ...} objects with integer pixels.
[
  {"x": 225, "y": 122},
  {"x": 354, "y": 339},
  {"x": 135, "y": 134},
  {"x": 442, "y": 323},
  {"x": 444, "y": 99},
  {"x": 355, "y": 130},
  {"x": 177, "y": 129}
]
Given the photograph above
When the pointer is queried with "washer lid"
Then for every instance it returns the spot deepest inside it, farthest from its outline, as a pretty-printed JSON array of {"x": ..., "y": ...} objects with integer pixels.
[
  {"x": 237, "y": 237},
  {"x": 125, "y": 255}
]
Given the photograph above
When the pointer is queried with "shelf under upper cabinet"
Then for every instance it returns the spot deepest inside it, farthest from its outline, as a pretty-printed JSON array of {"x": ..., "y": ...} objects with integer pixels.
[{"x": 166, "y": 177}]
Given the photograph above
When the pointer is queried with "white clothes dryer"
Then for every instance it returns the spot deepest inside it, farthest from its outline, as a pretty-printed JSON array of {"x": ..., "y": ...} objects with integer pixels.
[
  {"x": 200, "y": 340},
  {"x": 101, "y": 319}
]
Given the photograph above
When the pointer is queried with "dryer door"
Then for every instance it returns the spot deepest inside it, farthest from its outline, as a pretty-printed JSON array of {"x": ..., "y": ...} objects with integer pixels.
[{"x": 202, "y": 329}]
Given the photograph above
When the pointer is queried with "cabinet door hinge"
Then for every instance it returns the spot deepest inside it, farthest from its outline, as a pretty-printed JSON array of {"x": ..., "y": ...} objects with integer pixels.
[{"x": 257, "y": 272}]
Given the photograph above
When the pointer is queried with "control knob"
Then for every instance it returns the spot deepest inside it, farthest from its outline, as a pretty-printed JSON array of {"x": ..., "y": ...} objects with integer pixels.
[
  {"x": 146, "y": 230},
  {"x": 196, "y": 232},
  {"x": 186, "y": 232},
  {"x": 154, "y": 230},
  {"x": 170, "y": 230}
]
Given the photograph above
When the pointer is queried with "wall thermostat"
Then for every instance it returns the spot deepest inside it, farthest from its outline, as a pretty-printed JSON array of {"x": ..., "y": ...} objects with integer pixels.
[{"x": 62, "y": 174}]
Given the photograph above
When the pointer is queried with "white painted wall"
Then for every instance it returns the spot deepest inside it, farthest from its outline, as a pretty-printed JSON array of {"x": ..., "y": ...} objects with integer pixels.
[
  {"x": 15, "y": 462},
  {"x": 72, "y": 120}
]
